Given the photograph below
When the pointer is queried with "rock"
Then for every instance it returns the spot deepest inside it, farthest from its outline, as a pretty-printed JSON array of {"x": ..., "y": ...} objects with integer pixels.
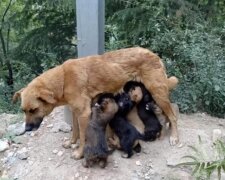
[
  {"x": 180, "y": 145},
  {"x": 74, "y": 146},
  {"x": 22, "y": 154},
  {"x": 179, "y": 174},
  {"x": 77, "y": 175},
  {"x": 19, "y": 140},
  {"x": 60, "y": 153},
  {"x": 55, "y": 151},
  {"x": 4, "y": 175},
  {"x": 2, "y": 132},
  {"x": 61, "y": 126},
  {"x": 49, "y": 159},
  {"x": 16, "y": 129},
  {"x": 32, "y": 134},
  {"x": 216, "y": 135},
  {"x": 4, "y": 145},
  {"x": 138, "y": 163},
  {"x": 30, "y": 163},
  {"x": 172, "y": 161},
  {"x": 49, "y": 126}
]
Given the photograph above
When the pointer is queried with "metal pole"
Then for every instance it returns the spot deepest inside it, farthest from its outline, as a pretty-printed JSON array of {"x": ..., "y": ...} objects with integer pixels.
[{"x": 90, "y": 15}]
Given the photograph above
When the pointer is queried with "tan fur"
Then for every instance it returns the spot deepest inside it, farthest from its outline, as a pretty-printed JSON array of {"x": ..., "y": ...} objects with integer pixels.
[{"x": 75, "y": 82}]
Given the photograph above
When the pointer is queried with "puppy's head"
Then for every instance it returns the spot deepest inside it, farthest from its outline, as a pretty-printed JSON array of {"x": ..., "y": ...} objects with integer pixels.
[
  {"x": 124, "y": 102},
  {"x": 135, "y": 90},
  {"x": 35, "y": 103},
  {"x": 107, "y": 103}
]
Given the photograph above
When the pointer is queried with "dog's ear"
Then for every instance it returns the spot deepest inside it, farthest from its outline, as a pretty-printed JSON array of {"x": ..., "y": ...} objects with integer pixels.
[
  {"x": 47, "y": 96},
  {"x": 17, "y": 95}
]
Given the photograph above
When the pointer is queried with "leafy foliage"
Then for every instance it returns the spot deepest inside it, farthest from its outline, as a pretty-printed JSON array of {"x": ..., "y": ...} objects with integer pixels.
[
  {"x": 188, "y": 35},
  {"x": 204, "y": 165}
]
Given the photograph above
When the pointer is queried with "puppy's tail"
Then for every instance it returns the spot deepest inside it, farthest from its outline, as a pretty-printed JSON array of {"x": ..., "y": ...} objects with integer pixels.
[{"x": 172, "y": 82}]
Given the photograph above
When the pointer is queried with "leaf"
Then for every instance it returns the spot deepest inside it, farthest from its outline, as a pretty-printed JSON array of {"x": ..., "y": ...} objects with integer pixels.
[
  {"x": 217, "y": 88},
  {"x": 219, "y": 172},
  {"x": 193, "y": 148},
  {"x": 196, "y": 169},
  {"x": 191, "y": 157},
  {"x": 187, "y": 164}
]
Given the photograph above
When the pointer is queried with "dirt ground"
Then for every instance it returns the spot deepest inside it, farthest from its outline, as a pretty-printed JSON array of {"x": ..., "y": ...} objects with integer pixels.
[{"x": 48, "y": 160}]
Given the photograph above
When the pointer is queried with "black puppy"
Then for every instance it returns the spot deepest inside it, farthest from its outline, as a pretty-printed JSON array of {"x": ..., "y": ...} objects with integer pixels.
[
  {"x": 139, "y": 94},
  {"x": 126, "y": 133},
  {"x": 104, "y": 108}
]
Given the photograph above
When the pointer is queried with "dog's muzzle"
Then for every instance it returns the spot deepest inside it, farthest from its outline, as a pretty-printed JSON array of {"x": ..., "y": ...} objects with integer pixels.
[{"x": 33, "y": 126}]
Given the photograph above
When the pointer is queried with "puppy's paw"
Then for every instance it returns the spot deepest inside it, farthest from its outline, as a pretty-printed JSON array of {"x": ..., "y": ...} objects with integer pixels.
[
  {"x": 102, "y": 163},
  {"x": 174, "y": 140},
  {"x": 124, "y": 155},
  {"x": 84, "y": 163},
  {"x": 67, "y": 144},
  {"x": 77, "y": 154}
]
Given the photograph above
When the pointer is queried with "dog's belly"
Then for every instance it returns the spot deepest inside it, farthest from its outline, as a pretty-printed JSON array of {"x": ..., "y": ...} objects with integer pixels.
[{"x": 134, "y": 119}]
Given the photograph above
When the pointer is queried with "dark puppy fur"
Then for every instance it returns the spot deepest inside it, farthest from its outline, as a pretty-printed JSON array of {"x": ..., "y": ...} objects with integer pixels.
[
  {"x": 126, "y": 133},
  {"x": 104, "y": 108},
  {"x": 144, "y": 100}
]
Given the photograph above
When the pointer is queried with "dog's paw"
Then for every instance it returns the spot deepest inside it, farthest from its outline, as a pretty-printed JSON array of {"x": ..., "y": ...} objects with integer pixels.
[
  {"x": 173, "y": 140},
  {"x": 67, "y": 144},
  {"x": 77, "y": 154}
]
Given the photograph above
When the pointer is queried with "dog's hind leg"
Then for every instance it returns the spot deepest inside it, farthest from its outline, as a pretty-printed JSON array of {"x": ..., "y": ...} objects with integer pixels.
[{"x": 160, "y": 93}]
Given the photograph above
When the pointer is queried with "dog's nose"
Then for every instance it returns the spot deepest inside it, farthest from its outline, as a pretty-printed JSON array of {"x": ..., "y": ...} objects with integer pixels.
[{"x": 29, "y": 127}]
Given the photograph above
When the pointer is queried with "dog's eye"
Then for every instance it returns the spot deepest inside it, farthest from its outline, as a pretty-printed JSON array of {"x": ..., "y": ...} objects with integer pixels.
[{"x": 33, "y": 110}]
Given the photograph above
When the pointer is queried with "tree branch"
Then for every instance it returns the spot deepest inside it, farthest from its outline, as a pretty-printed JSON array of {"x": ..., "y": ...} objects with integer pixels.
[{"x": 6, "y": 10}]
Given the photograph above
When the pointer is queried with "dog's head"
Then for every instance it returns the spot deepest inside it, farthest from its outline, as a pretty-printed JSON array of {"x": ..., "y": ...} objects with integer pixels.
[{"x": 36, "y": 103}]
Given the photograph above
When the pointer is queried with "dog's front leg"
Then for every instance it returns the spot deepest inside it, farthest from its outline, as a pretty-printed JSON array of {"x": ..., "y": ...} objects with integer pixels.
[
  {"x": 83, "y": 119},
  {"x": 75, "y": 132}
]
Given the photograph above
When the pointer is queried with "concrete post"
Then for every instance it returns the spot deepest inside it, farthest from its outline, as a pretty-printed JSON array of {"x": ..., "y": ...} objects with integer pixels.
[{"x": 90, "y": 15}]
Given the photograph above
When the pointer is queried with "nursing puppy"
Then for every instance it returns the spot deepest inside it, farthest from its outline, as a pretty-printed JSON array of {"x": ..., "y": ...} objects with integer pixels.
[
  {"x": 126, "y": 133},
  {"x": 74, "y": 83},
  {"x": 96, "y": 149},
  {"x": 139, "y": 94}
]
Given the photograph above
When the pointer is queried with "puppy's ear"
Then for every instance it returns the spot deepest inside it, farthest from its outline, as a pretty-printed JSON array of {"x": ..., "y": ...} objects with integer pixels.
[
  {"x": 17, "y": 95},
  {"x": 47, "y": 96},
  {"x": 103, "y": 105}
]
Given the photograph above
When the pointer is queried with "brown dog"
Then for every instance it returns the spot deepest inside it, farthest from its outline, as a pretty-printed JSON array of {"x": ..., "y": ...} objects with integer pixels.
[{"x": 76, "y": 81}]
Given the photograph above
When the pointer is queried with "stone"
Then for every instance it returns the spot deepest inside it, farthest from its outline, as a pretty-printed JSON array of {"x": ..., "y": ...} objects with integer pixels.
[
  {"x": 4, "y": 145},
  {"x": 16, "y": 129},
  {"x": 216, "y": 135},
  {"x": 19, "y": 140},
  {"x": 55, "y": 151},
  {"x": 2, "y": 132},
  {"x": 138, "y": 163},
  {"x": 49, "y": 126},
  {"x": 60, "y": 153},
  {"x": 77, "y": 175},
  {"x": 61, "y": 126},
  {"x": 22, "y": 154}
]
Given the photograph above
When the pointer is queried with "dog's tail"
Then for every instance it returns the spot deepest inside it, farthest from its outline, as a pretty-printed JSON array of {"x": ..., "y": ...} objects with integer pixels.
[{"x": 172, "y": 82}]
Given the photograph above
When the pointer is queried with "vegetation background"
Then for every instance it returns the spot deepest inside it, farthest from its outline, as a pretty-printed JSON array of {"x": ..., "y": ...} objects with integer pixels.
[{"x": 189, "y": 35}]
